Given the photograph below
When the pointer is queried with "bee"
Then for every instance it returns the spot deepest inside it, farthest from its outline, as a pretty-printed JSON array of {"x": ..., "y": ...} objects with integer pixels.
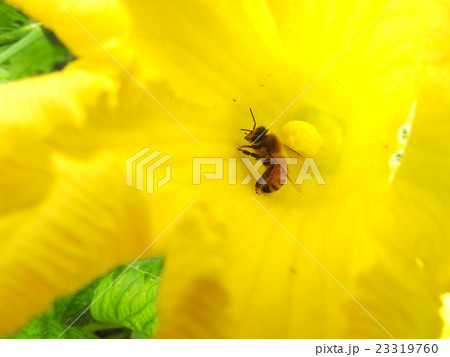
[{"x": 267, "y": 146}]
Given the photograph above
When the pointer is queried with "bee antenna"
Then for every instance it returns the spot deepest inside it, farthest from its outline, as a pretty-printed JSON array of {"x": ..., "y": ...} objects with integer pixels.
[{"x": 254, "y": 120}]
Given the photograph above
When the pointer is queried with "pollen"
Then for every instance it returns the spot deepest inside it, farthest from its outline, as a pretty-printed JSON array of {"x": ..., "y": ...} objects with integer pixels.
[{"x": 302, "y": 137}]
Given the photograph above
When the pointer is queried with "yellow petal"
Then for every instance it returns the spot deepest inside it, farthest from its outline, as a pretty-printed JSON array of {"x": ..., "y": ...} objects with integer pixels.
[
  {"x": 279, "y": 291},
  {"x": 421, "y": 185},
  {"x": 199, "y": 301},
  {"x": 56, "y": 245},
  {"x": 59, "y": 98},
  {"x": 67, "y": 215},
  {"x": 445, "y": 313},
  {"x": 214, "y": 41},
  {"x": 251, "y": 278},
  {"x": 104, "y": 20}
]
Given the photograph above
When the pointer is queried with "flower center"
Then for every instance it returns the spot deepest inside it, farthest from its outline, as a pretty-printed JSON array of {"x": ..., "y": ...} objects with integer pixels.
[
  {"x": 303, "y": 137},
  {"x": 315, "y": 134}
]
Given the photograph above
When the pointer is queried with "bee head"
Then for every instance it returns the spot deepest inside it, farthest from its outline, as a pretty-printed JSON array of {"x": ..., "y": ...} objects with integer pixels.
[{"x": 256, "y": 135}]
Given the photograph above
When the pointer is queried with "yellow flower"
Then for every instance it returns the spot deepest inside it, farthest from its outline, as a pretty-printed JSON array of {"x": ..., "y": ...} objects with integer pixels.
[{"x": 365, "y": 255}]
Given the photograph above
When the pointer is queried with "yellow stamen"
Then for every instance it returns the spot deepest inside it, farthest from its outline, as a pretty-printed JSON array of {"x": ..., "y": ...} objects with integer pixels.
[{"x": 302, "y": 137}]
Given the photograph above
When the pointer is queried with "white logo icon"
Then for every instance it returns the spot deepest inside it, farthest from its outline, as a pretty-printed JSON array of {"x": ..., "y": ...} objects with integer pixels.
[{"x": 143, "y": 163}]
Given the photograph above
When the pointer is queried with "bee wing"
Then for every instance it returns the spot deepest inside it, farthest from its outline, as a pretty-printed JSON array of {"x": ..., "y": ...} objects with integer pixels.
[
  {"x": 291, "y": 153},
  {"x": 289, "y": 176}
]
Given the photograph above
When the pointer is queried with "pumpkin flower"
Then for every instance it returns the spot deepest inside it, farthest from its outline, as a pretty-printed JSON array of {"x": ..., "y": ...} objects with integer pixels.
[{"x": 360, "y": 85}]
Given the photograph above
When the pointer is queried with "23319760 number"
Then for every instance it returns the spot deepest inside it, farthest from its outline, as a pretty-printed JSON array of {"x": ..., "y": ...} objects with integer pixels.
[{"x": 407, "y": 348}]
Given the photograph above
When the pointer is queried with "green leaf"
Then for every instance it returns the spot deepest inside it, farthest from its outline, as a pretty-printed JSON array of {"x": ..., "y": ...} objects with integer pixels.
[
  {"x": 45, "y": 328},
  {"x": 63, "y": 313},
  {"x": 127, "y": 296},
  {"x": 27, "y": 40},
  {"x": 138, "y": 335},
  {"x": 129, "y": 304},
  {"x": 40, "y": 56},
  {"x": 26, "y": 48},
  {"x": 74, "y": 308},
  {"x": 11, "y": 18},
  {"x": 4, "y": 74},
  {"x": 8, "y": 37}
]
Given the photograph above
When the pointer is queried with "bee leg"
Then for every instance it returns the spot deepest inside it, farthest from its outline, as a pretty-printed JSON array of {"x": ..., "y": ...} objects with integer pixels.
[
  {"x": 258, "y": 186},
  {"x": 256, "y": 146},
  {"x": 260, "y": 183},
  {"x": 252, "y": 154}
]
